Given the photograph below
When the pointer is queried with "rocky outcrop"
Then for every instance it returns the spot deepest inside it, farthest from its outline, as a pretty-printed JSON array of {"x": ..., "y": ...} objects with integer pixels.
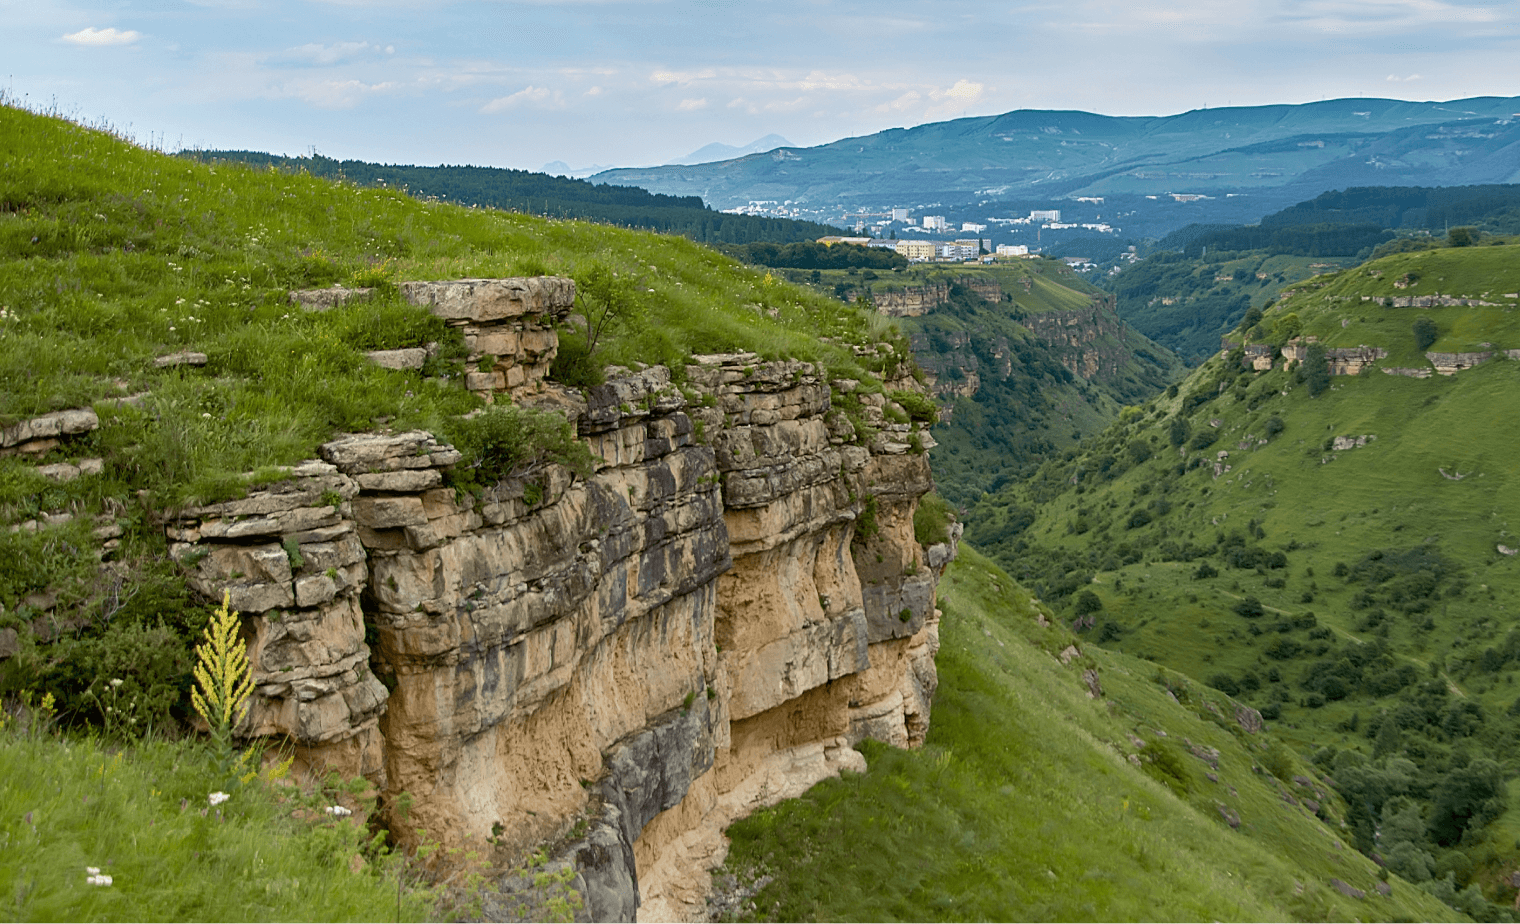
[
  {"x": 42, "y": 434},
  {"x": 705, "y": 625},
  {"x": 508, "y": 326},
  {"x": 1452, "y": 363},
  {"x": 914, "y": 301},
  {"x": 1090, "y": 340}
]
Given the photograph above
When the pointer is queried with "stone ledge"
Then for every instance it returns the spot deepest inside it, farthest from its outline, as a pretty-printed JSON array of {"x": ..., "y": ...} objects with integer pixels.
[
  {"x": 493, "y": 299},
  {"x": 325, "y": 299}
]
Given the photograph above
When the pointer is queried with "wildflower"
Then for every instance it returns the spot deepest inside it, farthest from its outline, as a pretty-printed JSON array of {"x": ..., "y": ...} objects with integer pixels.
[
  {"x": 116, "y": 682},
  {"x": 217, "y": 798},
  {"x": 338, "y": 811},
  {"x": 95, "y": 877}
]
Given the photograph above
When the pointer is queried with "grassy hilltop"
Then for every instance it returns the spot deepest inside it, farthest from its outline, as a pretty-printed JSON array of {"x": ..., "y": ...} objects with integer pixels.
[{"x": 1336, "y": 551}]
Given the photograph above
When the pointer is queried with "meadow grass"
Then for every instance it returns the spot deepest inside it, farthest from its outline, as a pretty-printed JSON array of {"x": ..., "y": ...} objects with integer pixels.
[
  {"x": 1023, "y": 804},
  {"x": 111, "y": 255},
  {"x": 144, "y": 817}
]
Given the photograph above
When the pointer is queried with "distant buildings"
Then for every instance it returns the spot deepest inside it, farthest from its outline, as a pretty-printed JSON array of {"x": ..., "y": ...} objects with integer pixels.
[
  {"x": 1045, "y": 215},
  {"x": 899, "y": 214},
  {"x": 973, "y": 227},
  {"x": 917, "y": 251},
  {"x": 1012, "y": 250},
  {"x": 934, "y": 222}
]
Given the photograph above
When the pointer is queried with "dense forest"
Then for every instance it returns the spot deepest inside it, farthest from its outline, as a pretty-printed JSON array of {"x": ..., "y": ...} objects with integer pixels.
[
  {"x": 810, "y": 255},
  {"x": 549, "y": 196}
]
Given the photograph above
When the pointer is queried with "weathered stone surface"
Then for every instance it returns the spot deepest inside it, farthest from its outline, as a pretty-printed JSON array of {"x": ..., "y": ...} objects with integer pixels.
[
  {"x": 409, "y": 358},
  {"x": 49, "y": 426},
  {"x": 388, "y": 512},
  {"x": 408, "y": 480},
  {"x": 325, "y": 299},
  {"x": 385, "y": 452},
  {"x": 182, "y": 358},
  {"x": 493, "y": 299}
]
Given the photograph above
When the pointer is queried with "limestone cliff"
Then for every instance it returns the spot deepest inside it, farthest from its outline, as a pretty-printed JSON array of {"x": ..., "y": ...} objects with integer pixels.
[{"x": 704, "y": 626}]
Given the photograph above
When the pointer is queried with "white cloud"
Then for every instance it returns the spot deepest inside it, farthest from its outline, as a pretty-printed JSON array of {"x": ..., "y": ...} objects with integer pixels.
[
  {"x": 315, "y": 53},
  {"x": 111, "y": 36},
  {"x": 1397, "y": 79},
  {"x": 595, "y": 91},
  {"x": 537, "y": 97},
  {"x": 691, "y": 105},
  {"x": 335, "y": 94}
]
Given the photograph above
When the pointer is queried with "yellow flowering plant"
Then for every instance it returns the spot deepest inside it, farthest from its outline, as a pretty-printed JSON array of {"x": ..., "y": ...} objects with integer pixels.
[{"x": 222, "y": 681}]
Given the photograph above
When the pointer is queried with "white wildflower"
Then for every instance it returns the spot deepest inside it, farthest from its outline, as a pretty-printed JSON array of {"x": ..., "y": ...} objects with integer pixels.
[
  {"x": 338, "y": 811},
  {"x": 116, "y": 681},
  {"x": 217, "y": 798},
  {"x": 95, "y": 877}
]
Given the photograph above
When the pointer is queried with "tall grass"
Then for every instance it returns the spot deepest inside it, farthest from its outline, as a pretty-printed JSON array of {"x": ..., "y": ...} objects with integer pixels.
[{"x": 143, "y": 816}]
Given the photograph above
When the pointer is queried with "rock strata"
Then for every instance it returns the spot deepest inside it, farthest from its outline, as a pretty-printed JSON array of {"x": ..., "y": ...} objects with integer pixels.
[{"x": 706, "y": 625}]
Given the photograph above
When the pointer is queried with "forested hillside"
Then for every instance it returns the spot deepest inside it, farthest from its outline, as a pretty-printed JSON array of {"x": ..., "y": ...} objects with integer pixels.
[
  {"x": 1329, "y": 539},
  {"x": 1200, "y": 280}
]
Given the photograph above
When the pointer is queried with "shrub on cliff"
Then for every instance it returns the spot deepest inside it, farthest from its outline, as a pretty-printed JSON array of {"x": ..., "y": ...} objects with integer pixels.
[
  {"x": 932, "y": 519},
  {"x": 506, "y": 441}
]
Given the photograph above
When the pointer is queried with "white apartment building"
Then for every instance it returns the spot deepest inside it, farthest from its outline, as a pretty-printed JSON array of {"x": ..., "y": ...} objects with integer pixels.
[
  {"x": 1013, "y": 250},
  {"x": 934, "y": 222},
  {"x": 1045, "y": 215},
  {"x": 899, "y": 214},
  {"x": 973, "y": 227}
]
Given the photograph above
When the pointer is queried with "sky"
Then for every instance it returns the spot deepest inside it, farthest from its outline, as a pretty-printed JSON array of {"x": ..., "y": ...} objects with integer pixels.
[{"x": 644, "y": 82}]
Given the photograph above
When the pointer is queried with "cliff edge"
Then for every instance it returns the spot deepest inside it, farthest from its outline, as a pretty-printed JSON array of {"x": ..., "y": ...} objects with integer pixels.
[{"x": 618, "y": 665}]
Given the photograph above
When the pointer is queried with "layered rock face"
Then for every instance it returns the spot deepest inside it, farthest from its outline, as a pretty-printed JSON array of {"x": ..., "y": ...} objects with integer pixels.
[
  {"x": 913, "y": 301},
  {"x": 625, "y": 663},
  {"x": 1090, "y": 340}
]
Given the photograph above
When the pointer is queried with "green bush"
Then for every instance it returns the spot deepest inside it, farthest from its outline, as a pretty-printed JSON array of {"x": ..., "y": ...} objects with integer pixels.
[
  {"x": 920, "y": 408},
  {"x": 506, "y": 441},
  {"x": 1425, "y": 333},
  {"x": 932, "y": 519}
]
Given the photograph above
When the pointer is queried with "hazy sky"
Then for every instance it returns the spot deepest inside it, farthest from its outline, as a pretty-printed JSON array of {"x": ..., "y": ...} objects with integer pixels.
[{"x": 640, "y": 82}]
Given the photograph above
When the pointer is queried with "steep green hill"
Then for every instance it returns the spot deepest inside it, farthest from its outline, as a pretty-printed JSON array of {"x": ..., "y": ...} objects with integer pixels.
[
  {"x": 1335, "y": 550},
  {"x": 1032, "y": 800},
  {"x": 1203, "y": 278},
  {"x": 1188, "y": 301}
]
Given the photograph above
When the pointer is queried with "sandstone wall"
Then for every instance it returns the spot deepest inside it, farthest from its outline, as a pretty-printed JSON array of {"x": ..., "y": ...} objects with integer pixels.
[
  {"x": 625, "y": 663},
  {"x": 913, "y": 301}
]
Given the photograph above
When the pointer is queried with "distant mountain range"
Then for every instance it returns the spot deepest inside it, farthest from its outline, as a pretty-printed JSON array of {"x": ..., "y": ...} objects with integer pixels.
[
  {"x": 1276, "y": 154},
  {"x": 716, "y": 151}
]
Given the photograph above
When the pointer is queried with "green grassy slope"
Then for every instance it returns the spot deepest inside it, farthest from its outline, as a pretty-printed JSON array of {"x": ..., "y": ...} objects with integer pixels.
[
  {"x": 142, "y": 817},
  {"x": 111, "y": 255},
  {"x": 1025, "y": 803},
  {"x": 1220, "y": 531}
]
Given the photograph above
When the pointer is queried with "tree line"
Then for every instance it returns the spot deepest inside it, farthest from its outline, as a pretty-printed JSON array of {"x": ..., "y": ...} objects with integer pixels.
[{"x": 548, "y": 196}]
